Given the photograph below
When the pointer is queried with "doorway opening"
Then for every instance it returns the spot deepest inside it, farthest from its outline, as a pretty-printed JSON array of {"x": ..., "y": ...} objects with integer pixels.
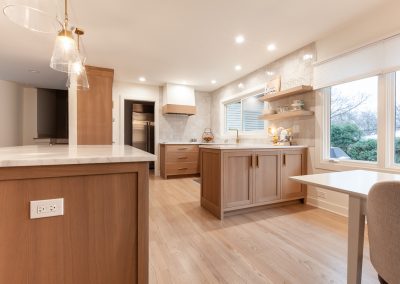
[{"x": 139, "y": 125}]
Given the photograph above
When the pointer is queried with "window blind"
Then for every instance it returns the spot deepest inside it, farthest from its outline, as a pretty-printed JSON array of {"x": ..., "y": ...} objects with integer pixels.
[{"x": 377, "y": 58}]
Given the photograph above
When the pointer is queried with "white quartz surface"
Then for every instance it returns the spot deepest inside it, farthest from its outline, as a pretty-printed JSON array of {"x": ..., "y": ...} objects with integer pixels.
[
  {"x": 42, "y": 155},
  {"x": 354, "y": 183},
  {"x": 191, "y": 143},
  {"x": 249, "y": 146}
]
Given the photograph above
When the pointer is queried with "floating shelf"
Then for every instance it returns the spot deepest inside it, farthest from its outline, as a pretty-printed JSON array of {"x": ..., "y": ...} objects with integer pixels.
[
  {"x": 287, "y": 93},
  {"x": 286, "y": 115}
]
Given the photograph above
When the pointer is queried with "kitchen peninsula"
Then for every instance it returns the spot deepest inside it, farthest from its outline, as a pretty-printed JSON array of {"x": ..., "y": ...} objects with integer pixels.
[
  {"x": 101, "y": 232},
  {"x": 237, "y": 178}
]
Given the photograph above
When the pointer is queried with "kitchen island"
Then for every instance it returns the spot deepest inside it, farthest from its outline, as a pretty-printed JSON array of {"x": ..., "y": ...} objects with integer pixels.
[
  {"x": 100, "y": 234},
  {"x": 238, "y": 178}
]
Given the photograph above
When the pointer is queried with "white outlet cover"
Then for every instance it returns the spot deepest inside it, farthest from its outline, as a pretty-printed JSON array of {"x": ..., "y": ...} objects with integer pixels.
[{"x": 47, "y": 208}]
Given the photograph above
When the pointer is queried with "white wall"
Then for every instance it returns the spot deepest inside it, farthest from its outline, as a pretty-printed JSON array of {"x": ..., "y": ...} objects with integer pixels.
[
  {"x": 10, "y": 114},
  {"x": 29, "y": 117},
  {"x": 373, "y": 26}
]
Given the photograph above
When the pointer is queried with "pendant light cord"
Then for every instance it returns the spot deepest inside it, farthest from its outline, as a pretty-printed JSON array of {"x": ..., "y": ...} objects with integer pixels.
[{"x": 65, "y": 14}]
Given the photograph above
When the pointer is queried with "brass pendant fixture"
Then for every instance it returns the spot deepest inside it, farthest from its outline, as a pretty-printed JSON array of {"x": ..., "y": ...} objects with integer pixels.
[
  {"x": 65, "y": 51},
  {"x": 78, "y": 69}
]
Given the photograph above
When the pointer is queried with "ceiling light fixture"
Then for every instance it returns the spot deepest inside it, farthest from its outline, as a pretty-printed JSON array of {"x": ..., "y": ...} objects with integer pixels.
[
  {"x": 142, "y": 79},
  {"x": 240, "y": 86},
  {"x": 38, "y": 16},
  {"x": 270, "y": 73},
  {"x": 239, "y": 39},
  {"x": 213, "y": 82},
  {"x": 307, "y": 57},
  {"x": 238, "y": 67},
  {"x": 271, "y": 47},
  {"x": 65, "y": 51},
  {"x": 77, "y": 68}
]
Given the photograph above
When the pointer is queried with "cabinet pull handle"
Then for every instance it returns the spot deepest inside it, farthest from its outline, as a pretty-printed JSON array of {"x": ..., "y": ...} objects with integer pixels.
[
  {"x": 182, "y": 169},
  {"x": 251, "y": 161},
  {"x": 284, "y": 159},
  {"x": 181, "y": 149},
  {"x": 257, "y": 162},
  {"x": 182, "y": 158}
]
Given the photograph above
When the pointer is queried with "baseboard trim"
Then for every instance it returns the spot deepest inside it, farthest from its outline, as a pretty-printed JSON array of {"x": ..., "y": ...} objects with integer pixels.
[{"x": 332, "y": 207}]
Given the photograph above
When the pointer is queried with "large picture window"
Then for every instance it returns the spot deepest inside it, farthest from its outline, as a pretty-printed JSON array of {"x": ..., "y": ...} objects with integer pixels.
[
  {"x": 354, "y": 120},
  {"x": 243, "y": 114}
]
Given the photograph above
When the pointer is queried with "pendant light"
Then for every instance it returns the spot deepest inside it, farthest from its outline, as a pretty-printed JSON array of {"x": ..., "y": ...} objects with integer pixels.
[
  {"x": 78, "y": 70},
  {"x": 35, "y": 15},
  {"x": 65, "y": 51}
]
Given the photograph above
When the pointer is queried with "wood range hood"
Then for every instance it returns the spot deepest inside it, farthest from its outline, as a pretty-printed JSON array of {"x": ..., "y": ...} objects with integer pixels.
[{"x": 178, "y": 99}]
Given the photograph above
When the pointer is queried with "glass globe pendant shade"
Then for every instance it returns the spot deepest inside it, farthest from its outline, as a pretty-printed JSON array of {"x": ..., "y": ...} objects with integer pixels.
[
  {"x": 65, "y": 52},
  {"x": 35, "y": 15},
  {"x": 78, "y": 76}
]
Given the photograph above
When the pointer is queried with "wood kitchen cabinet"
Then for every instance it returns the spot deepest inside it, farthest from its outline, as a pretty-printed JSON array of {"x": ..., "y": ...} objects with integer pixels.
[
  {"x": 293, "y": 164},
  {"x": 94, "y": 115},
  {"x": 242, "y": 179},
  {"x": 267, "y": 182},
  {"x": 238, "y": 177},
  {"x": 179, "y": 159}
]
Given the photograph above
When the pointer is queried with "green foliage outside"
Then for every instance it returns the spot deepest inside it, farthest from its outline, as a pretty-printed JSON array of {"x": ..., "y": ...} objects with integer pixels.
[{"x": 347, "y": 136}]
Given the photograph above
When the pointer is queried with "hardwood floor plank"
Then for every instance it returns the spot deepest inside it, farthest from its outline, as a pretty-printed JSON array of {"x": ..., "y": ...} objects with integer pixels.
[{"x": 291, "y": 244}]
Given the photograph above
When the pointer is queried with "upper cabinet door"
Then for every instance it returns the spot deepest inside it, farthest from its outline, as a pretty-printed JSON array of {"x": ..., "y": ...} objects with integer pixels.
[
  {"x": 267, "y": 176},
  {"x": 238, "y": 178},
  {"x": 94, "y": 116},
  {"x": 293, "y": 164}
]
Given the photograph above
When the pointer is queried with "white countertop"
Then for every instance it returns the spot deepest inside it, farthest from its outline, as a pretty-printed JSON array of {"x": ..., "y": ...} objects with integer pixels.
[
  {"x": 249, "y": 146},
  {"x": 191, "y": 143},
  {"x": 355, "y": 183},
  {"x": 44, "y": 155}
]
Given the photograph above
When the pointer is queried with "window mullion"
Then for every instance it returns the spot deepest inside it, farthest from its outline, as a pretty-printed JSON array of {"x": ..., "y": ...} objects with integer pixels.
[{"x": 389, "y": 124}]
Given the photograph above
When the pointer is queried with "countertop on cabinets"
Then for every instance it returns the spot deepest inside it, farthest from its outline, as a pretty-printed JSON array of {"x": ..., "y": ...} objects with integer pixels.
[{"x": 45, "y": 155}]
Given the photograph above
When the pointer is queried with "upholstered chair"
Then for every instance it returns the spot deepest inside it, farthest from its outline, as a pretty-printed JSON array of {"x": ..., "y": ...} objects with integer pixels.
[{"x": 383, "y": 217}]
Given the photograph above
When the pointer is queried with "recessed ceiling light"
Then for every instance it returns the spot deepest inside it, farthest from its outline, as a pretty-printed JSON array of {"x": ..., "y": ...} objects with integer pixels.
[
  {"x": 142, "y": 79},
  {"x": 213, "y": 82},
  {"x": 238, "y": 67},
  {"x": 239, "y": 39},
  {"x": 270, "y": 73},
  {"x": 240, "y": 86},
  {"x": 34, "y": 71},
  {"x": 307, "y": 57},
  {"x": 271, "y": 47}
]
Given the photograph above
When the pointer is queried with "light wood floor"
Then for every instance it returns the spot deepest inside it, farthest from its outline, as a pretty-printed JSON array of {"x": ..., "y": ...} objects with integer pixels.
[{"x": 291, "y": 244}]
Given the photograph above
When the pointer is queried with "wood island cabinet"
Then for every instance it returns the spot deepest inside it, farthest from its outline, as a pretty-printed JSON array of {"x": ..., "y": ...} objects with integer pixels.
[
  {"x": 239, "y": 177},
  {"x": 267, "y": 172},
  {"x": 236, "y": 180}
]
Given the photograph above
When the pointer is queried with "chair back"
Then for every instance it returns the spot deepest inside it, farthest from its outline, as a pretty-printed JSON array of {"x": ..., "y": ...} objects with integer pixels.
[{"x": 383, "y": 217}]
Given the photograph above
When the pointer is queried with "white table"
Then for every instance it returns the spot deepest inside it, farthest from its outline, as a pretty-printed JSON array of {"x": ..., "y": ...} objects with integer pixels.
[{"x": 357, "y": 185}]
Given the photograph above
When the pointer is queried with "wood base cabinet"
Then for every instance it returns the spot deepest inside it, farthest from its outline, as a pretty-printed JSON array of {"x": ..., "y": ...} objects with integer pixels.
[
  {"x": 234, "y": 180},
  {"x": 179, "y": 160},
  {"x": 101, "y": 238}
]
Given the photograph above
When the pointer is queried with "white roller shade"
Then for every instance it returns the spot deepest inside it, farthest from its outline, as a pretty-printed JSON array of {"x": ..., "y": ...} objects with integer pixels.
[{"x": 374, "y": 59}]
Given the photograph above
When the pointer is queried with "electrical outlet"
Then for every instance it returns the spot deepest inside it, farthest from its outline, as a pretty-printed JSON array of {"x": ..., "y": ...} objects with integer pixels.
[{"x": 47, "y": 208}]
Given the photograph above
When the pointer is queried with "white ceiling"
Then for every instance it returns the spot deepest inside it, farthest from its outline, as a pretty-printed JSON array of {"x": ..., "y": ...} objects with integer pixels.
[{"x": 177, "y": 40}]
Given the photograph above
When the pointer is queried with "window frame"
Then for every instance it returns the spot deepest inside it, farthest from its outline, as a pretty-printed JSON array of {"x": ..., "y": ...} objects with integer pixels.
[
  {"x": 240, "y": 98},
  {"x": 386, "y": 116}
]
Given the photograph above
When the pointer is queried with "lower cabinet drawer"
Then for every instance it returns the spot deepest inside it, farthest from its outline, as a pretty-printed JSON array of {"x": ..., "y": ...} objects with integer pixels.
[
  {"x": 182, "y": 168},
  {"x": 182, "y": 148},
  {"x": 184, "y": 157}
]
